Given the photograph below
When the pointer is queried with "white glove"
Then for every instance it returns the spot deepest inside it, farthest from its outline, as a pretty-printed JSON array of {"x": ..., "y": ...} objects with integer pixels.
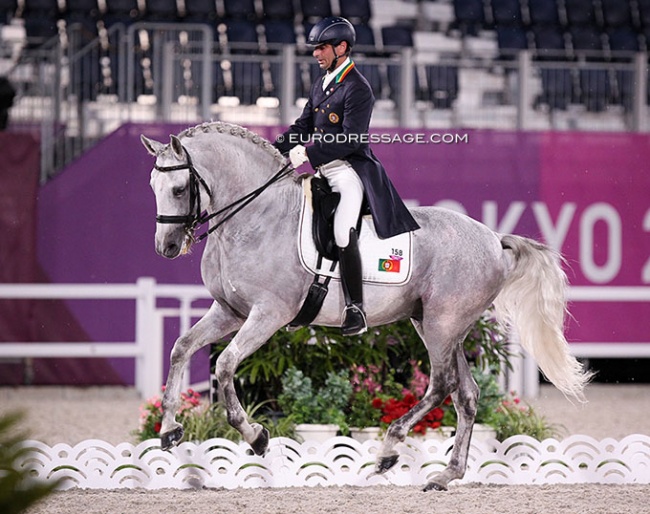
[{"x": 298, "y": 156}]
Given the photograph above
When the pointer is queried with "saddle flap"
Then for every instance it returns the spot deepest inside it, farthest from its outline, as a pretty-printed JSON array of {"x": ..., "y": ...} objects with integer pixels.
[{"x": 324, "y": 204}]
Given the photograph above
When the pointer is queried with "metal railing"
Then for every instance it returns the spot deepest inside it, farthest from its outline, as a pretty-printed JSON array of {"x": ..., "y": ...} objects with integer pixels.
[{"x": 75, "y": 91}]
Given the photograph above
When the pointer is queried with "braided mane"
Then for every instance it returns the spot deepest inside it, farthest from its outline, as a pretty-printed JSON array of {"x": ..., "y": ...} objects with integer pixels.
[{"x": 222, "y": 127}]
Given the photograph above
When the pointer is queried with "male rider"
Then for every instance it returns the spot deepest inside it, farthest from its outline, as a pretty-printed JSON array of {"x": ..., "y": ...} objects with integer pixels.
[{"x": 340, "y": 104}]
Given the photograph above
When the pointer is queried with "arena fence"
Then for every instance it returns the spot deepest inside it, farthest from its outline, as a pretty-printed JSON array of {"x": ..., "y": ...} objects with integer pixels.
[
  {"x": 153, "y": 307},
  {"x": 220, "y": 463}
]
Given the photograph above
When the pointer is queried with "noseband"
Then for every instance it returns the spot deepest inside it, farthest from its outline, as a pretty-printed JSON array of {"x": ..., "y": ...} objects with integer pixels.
[{"x": 194, "y": 218}]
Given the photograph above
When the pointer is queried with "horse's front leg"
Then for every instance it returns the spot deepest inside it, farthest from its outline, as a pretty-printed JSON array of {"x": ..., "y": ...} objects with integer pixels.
[
  {"x": 216, "y": 323},
  {"x": 252, "y": 335}
]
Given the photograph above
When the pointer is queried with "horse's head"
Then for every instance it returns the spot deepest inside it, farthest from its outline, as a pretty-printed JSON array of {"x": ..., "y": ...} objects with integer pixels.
[{"x": 178, "y": 196}]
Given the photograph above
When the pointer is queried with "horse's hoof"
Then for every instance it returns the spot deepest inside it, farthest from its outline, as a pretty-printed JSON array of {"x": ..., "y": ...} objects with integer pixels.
[
  {"x": 261, "y": 442},
  {"x": 170, "y": 439},
  {"x": 385, "y": 463},
  {"x": 433, "y": 486}
]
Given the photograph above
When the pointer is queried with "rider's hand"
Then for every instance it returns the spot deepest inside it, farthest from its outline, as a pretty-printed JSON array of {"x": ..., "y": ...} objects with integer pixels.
[{"x": 298, "y": 156}]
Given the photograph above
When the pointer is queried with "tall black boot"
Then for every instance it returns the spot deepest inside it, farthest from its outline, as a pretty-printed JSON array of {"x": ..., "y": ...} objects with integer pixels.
[{"x": 354, "y": 319}]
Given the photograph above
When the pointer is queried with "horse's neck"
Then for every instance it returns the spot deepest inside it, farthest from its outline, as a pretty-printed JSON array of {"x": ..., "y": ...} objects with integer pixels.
[{"x": 234, "y": 177}]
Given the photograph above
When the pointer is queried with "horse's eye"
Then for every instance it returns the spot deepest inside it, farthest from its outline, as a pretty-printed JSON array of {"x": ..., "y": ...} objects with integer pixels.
[{"x": 179, "y": 191}]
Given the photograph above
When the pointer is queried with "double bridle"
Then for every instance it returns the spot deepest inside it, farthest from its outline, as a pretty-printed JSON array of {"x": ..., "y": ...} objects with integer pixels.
[{"x": 196, "y": 217}]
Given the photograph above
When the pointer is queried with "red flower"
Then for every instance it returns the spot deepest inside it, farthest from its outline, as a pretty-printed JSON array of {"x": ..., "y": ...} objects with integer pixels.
[
  {"x": 156, "y": 427},
  {"x": 377, "y": 403}
]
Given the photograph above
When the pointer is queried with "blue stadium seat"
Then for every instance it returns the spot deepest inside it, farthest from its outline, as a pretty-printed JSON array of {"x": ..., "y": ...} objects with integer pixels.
[
  {"x": 313, "y": 10},
  {"x": 7, "y": 10},
  {"x": 506, "y": 12},
  {"x": 511, "y": 38},
  {"x": 616, "y": 13},
  {"x": 278, "y": 9},
  {"x": 200, "y": 11},
  {"x": 280, "y": 31},
  {"x": 121, "y": 11},
  {"x": 40, "y": 17},
  {"x": 587, "y": 39},
  {"x": 580, "y": 12},
  {"x": 357, "y": 11},
  {"x": 595, "y": 89},
  {"x": 394, "y": 37},
  {"x": 549, "y": 42},
  {"x": 643, "y": 7},
  {"x": 161, "y": 10},
  {"x": 469, "y": 16},
  {"x": 623, "y": 39},
  {"x": 397, "y": 36},
  {"x": 242, "y": 9},
  {"x": 437, "y": 84},
  {"x": 557, "y": 88},
  {"x": 365, "y": 35},
  {"x": 543, "y": 12},
  {"x": 242, "y": 31}
]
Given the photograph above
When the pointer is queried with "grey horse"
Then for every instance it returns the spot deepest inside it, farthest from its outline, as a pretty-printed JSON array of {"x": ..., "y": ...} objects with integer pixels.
[{"x": 251, "y": 267}]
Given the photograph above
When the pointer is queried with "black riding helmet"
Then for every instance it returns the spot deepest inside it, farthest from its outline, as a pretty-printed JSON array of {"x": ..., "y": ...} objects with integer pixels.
[{"x": 332, "y": 31}]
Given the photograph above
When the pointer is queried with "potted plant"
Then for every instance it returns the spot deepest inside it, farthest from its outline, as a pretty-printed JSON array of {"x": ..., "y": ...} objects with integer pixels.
[{"x": 318, "y": 415}]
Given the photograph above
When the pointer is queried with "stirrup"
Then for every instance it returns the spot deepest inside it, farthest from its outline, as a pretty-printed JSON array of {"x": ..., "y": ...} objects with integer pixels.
[{"x": 353, "y": 321}]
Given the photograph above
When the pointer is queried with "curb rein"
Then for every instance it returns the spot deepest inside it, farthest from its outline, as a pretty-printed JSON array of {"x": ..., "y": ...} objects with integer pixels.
[{"x": 194, "y": 218}]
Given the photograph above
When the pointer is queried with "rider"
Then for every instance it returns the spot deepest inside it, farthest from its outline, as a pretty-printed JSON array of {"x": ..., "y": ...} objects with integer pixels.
[{"x": 340, "y": 103}]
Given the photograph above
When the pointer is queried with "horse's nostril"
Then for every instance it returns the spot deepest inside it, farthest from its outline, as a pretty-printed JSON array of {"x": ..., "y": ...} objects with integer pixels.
[{"x": 172, "y": 250}]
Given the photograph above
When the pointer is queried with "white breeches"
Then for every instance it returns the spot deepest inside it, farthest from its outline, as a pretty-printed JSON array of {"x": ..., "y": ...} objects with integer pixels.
[{"x": 344, "y": 180}]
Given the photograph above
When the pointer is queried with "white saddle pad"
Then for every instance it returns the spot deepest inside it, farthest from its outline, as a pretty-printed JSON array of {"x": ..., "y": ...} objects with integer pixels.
[{"x": 384, "y": 261}]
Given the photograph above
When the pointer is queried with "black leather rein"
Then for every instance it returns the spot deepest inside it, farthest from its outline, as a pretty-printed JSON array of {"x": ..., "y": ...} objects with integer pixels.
[{"x": 195, "y": 217}]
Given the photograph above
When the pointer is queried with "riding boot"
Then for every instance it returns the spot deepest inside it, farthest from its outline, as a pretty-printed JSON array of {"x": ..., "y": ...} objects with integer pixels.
[{"x": 354, "y": 319}]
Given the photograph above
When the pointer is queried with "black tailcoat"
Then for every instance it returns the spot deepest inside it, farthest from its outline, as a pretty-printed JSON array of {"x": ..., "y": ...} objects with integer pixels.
[{"x": 345, "y": 108}]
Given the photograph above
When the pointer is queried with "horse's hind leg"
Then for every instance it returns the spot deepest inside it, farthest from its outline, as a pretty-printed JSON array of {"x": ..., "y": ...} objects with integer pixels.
[
  {"x": 443, "y": 381},
  {"x": 214, "y": 325},
  {"x": 465, "y": 399}
]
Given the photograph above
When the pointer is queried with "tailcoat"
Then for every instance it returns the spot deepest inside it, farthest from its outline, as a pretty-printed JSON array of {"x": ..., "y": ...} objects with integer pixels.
[{"x": 344, "y": 108}]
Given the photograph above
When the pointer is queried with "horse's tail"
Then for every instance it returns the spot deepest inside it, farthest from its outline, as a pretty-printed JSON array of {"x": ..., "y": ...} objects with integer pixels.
[{"x": 532, "y": 301}]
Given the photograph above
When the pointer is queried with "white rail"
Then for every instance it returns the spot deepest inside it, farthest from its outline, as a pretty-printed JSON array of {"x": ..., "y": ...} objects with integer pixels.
[{"x": 147, "y": 349}]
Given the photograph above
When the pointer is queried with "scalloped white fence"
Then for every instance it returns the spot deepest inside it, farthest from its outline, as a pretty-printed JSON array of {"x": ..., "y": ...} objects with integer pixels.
[{"x": 219, "y": 463}]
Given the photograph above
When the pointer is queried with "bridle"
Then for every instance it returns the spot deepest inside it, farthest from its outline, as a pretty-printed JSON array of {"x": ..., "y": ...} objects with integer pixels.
[{"x": 195, "y": 216}]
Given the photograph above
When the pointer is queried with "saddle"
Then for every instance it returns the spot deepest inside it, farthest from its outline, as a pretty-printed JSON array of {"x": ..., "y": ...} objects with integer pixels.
[{"x": 324, "y": 204}]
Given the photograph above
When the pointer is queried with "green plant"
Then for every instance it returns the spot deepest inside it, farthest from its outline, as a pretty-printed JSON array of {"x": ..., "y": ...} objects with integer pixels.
[
  {"x": 202, "y": 421},
  {"x": 513, "y": 417},
  {"x": 302, "y": 404},
  {"x": 18, "y": 491}
]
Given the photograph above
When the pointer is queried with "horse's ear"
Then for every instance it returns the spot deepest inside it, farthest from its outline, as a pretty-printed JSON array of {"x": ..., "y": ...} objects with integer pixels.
[
  {"x": 177, "y": 146},
  {"x": 153, "y": 147}
]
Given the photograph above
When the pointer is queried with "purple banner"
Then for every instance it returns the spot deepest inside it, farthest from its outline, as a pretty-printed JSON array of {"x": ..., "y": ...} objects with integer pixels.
[{"x": 586, "y": 194}]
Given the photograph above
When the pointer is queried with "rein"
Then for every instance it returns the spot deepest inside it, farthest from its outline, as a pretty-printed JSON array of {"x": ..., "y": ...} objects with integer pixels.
[{"x": 194, "y": 218}]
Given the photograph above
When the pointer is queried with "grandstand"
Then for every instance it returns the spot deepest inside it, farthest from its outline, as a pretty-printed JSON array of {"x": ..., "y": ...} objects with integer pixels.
[{"x": 84, "y": 67}]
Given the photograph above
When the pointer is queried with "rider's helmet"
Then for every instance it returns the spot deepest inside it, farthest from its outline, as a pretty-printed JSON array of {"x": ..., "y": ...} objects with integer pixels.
[{"x": 332, "y": 30}]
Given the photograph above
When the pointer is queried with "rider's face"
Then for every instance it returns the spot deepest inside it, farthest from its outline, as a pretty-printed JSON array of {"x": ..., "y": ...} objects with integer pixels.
[{"x": 325, "y": 54}]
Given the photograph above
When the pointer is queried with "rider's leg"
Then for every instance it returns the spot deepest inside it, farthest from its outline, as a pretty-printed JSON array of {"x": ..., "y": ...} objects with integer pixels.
[{"x": 344, "y": 180}]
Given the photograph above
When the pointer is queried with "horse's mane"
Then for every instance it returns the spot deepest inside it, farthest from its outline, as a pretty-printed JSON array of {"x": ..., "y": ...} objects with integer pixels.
[{"x": 223, "y": 127}]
